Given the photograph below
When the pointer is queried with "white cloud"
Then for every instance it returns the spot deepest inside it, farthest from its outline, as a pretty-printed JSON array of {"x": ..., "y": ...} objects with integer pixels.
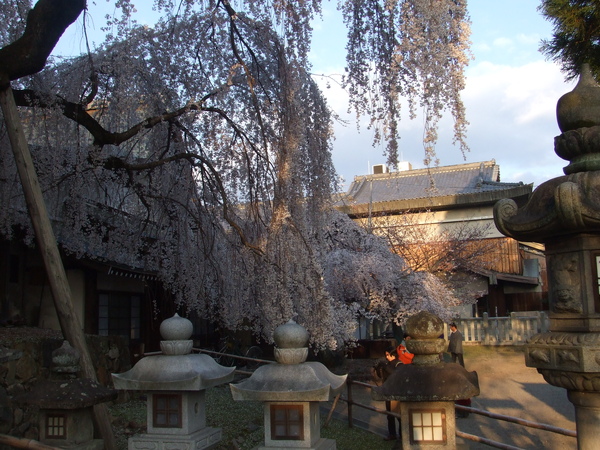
[
  {"x": 503, "y": 42},
  {"x": 526, "y": 93},
  {"x": 528, "y": 39}
]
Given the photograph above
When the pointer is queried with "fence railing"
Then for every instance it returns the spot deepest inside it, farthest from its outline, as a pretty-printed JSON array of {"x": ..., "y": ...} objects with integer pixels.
[{"x": 513, "y": 330}]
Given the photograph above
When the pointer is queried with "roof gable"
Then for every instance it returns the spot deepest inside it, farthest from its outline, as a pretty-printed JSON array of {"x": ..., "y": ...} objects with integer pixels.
[{"x": 426, "y": 183}]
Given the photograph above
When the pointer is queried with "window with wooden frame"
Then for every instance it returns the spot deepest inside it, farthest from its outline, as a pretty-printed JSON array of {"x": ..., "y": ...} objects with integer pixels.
[
  {"x": 427, "y": 425},
  {"x": 119, "y": 313},
  {"x": 287, "y": 422},
  {"x": 166, "y": 411},
  {"x": 56, "y": 426}
]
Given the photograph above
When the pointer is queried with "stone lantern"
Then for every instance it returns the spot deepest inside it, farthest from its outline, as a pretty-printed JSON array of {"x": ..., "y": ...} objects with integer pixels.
[
  {"x": 66, "y": 403},
  {"x": 175, "y": 382},
  {"x": 564, "y": 214},
  {"x": 291, "y": 391},
  {"x": 427, "y": 388}
]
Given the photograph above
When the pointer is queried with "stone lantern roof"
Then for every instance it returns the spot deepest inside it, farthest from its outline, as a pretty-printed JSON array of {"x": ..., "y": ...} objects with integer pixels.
[
  {"x": 71, "y": 394},
  {"x": 67, "y": 393},
  {"x": 292, "y": 379},
  {"x": 176, "y": 369},
  {"x": 422, "y": 383},
  {"x": 427, "y": 379}
]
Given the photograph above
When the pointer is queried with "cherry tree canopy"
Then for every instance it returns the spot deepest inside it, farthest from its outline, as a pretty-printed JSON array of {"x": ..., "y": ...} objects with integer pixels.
[{"x": 199, "y": 149}]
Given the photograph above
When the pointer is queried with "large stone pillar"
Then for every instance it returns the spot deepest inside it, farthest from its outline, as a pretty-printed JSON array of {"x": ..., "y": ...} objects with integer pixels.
[
  {"x": 587, "y": 415},
  {"x": 564, "y": 215}
]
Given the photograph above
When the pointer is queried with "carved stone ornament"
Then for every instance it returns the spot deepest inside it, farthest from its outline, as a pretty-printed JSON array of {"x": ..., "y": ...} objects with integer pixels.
[
  {"x": 563, "y": 205},
  {"x": 577, "y": 352},
  {"x": 566, "y": 339},
  {"x": 580, "y": 147},
  {"x": 580, "y": 108},
  {"x": 566, "y": 287},
  {"x": 573, "y": 381}
]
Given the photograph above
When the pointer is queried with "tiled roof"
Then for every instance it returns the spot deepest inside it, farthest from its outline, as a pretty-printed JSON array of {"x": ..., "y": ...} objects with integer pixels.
[{"x": 428, "y": 183}]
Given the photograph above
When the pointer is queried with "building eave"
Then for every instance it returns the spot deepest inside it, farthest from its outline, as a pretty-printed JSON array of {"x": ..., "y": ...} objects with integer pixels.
[
  {"x": 493, "y": 277},
  {"x": 434, "y": 202}
]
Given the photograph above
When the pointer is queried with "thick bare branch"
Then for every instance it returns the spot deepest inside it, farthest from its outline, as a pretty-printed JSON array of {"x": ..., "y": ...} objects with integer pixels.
[
  {"x": 81, "y": 115},
  {"x": 46, "y": 23}
]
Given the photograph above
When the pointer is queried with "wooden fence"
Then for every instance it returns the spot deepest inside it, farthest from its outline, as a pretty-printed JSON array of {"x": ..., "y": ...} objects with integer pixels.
[{"x": 513, "y": 330}]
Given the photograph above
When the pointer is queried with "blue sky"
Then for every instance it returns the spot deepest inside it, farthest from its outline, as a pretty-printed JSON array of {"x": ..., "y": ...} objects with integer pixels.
[{"x": 510, "y": 97}]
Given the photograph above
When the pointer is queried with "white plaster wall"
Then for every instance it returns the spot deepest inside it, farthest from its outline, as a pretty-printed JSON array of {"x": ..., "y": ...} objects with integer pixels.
[{"x": 438, "y": 222}]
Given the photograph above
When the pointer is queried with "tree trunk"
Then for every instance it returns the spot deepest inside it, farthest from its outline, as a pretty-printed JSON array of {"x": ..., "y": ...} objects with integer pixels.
[{"x": 61, "y": 291}]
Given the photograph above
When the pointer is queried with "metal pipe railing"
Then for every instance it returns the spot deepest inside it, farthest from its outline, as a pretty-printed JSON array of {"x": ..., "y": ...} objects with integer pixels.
[
  {"x": 212, "y": 352},
  {"x": 526, "y": 423},
  {"x": 231, "y": 355},
  {"x": 486, "y": 441}
]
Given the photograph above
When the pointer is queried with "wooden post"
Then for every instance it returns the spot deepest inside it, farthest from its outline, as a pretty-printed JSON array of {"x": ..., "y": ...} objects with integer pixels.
[
  {"x": 350, "y": 402},
  {"x": 59, "y": 285},
  {"x": 335, "y": 400}
]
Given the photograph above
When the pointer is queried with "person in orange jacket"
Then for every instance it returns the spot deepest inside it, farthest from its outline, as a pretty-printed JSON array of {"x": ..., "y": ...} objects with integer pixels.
[{"x": 404, "y": 355}]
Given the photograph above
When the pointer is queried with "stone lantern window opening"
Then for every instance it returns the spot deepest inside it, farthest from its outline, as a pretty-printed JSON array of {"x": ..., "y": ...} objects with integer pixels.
[
  {"x": 167, "y": 412},
  {"x": 287, "y": 422},
  {"x": 56, "y": 425},
  {"x": 427, "y": 425}
]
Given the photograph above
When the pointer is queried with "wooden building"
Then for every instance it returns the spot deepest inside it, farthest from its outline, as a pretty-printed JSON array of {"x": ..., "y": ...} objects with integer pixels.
[
  {"x": 109, "y": 298},
  {"x": 441, "y": 220}
]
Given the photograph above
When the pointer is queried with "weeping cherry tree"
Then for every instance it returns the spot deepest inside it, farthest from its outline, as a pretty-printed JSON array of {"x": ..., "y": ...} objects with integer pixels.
[{"x": 200, "y": 149}]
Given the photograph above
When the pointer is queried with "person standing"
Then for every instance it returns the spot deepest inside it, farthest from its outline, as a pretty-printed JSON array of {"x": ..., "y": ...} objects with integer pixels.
[
  {"x": 384, "y": 370},
  {"x": 404, "y": 355},
  {"x": 455, "y": 347}
]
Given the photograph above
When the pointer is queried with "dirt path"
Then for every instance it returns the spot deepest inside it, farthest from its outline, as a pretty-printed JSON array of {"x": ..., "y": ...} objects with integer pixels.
[{"x": 509, "y": 387}]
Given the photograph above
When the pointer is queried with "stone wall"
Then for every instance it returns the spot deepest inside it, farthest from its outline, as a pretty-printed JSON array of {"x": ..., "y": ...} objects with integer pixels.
[{"x": 25, "y": 358}]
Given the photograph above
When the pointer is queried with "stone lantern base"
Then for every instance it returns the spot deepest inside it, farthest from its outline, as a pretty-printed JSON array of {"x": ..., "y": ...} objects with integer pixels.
[
  {"x": 311, "y": 429},
  {"x": 321, "y": 444},
  {"x": 428, "y": 425},
  {"x": 80, "y": 426},
  {"x": 200, "y": 440}
]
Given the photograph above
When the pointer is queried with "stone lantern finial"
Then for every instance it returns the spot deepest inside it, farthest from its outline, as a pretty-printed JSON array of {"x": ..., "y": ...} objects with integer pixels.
[
  {"x": 176, "y": 332},
  {"x": 291, "y": 342},
  {"x": 65, "y": 359},
  {"x": 425, "y": 330},
  {"x": 566, "y": 205}
]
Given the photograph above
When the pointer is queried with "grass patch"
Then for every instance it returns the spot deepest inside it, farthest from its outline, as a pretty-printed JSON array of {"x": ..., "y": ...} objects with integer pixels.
[{"x": 241, "y": 423}]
